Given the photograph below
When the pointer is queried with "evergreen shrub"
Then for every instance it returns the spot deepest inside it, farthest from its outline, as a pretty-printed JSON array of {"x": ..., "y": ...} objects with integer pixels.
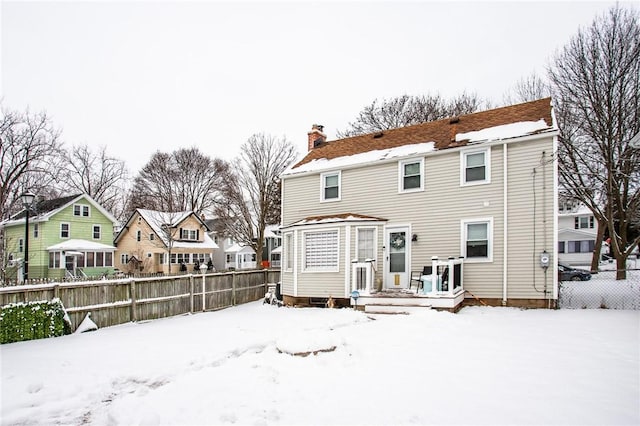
[{"x": 33, "y": 320}]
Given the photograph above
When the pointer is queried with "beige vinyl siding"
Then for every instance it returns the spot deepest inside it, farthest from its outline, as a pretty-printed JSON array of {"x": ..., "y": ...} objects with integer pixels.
[
  {"x": 524, "y": 252},
  {"x": 435, "y": 214}
]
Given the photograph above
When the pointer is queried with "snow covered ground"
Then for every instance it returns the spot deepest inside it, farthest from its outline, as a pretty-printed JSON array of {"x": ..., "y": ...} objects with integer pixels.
[
  {"x": 480, "y": 366},
  {"x": 602, "y": 291}
]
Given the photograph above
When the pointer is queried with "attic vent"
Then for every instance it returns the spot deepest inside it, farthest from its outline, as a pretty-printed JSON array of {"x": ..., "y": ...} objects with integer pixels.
[
  {"x": 318, "y": 142},
  {"x": 454, "y": 120},
  {"x": 378, "y": 135}
]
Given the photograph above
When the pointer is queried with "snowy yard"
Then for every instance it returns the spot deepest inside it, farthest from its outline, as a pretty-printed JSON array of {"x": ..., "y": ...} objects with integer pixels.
[{"x": 480, "y": 366}]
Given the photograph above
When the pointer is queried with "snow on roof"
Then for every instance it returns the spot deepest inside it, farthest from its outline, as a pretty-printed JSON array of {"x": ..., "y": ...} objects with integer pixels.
[
  {"x": 347, "y": 217},
  {"x": 237, "y": 247},
  {"x": 80, "y": 245},
  {"x": 157, "y": 219},
  {"x": 270, "y": 231},
  {"x": 505, "y": 131},
  {"x": 363, "y": 158},
  {"x": 207, "y": 243}
]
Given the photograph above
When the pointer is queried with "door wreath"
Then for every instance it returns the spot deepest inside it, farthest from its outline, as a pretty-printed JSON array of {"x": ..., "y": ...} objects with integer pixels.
[{"x": 398, "y": 241}]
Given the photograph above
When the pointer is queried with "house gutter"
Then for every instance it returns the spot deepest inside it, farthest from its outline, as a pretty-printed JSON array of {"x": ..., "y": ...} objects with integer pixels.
[{"x": 505, "y": 224}]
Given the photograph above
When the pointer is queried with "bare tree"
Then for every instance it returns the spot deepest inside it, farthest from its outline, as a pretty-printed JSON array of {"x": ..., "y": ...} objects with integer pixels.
[
  {"x": 29, "y": 156},
  {"x": 596, "y": 79},
  {"x": 186, "y": 179},
  {"x": 527, "y": 89},
  {"x": 250, "y": 187},
  {"x": 101, "y": 176},
  {"x": 407, "y": 110}
]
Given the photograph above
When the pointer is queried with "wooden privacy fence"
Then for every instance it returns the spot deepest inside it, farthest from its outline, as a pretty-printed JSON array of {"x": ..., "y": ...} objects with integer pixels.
[{"x": 115, "y": 302}]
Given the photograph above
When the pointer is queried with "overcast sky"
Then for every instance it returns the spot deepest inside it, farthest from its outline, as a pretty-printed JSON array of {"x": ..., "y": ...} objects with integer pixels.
[{"x": 144, "y": 76}]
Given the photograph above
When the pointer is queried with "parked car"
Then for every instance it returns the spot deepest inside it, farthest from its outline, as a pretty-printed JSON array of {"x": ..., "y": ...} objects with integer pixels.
[{"x": 569, "y": 273}]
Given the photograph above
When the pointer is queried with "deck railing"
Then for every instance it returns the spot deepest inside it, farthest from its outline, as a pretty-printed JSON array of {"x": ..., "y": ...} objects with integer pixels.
[
  {"x": 446, "y": 279},
  {"x": 362, "y": 275}
]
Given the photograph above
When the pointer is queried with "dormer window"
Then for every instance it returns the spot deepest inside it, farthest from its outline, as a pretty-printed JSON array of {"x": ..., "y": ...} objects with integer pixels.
[{"x": 189, "y": 234}]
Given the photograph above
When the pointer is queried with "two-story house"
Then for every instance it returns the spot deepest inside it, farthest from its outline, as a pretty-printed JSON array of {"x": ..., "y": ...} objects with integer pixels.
[
  {"x": 469, "y": 203},
  {"x": 163, "y": 242},
  {"x": 68, "y": 237},
  {"x": 577, "y": 233}
]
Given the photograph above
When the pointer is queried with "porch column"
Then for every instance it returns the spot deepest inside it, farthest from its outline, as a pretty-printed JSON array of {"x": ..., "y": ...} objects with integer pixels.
[{"x": 434, "y": 273}]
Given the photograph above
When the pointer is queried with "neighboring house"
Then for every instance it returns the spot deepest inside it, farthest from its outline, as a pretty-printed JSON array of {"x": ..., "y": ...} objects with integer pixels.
[
  {"x": 69, "y": 236},
  {"x": 234, "y": 255},
  {"x": 478, "y": 191},
  {"x": 239, "y": 256},
  {"x": 151, "y": 241},
  {"x": 577, "y": 231},
  {"x": 272, "y": 250}
]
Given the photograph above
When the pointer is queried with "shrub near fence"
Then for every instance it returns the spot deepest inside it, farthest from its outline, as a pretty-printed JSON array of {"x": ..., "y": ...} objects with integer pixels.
[{"x": 113, "y": 302}]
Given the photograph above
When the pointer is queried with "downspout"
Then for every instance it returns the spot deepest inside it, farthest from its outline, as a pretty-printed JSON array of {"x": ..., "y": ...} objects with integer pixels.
[
  {"x": 505, "y": 225},
  {"x": 347, "y": 261},
  {"x": 295, "y": 263}
]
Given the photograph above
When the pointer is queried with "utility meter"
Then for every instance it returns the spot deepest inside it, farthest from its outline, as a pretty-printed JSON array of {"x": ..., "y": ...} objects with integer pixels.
[{"x": 544, "y": 259}]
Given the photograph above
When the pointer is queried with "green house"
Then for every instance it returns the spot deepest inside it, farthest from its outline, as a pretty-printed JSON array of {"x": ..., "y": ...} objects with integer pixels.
[{"x": 69, "y": 237}]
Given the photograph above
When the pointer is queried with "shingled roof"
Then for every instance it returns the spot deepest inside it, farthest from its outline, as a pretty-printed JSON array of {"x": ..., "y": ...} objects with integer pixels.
[
  {"x": 442, "y": 132},
  {"x": 45, "y": 206}
]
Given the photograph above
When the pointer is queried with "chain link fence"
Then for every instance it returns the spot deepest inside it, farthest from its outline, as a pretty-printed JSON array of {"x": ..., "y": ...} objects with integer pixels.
[{"x": 602, "y": 291}]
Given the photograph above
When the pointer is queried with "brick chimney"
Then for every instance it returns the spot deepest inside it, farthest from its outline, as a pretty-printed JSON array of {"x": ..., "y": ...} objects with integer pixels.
[{"x": 316, "y": 137}]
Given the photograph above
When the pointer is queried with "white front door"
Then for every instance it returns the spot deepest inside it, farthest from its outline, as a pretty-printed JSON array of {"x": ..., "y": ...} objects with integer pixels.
[{"x": 397, "y": 257}]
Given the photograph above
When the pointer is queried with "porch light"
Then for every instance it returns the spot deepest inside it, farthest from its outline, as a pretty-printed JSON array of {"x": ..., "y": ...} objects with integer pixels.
[{"x": 414, "y": 237}]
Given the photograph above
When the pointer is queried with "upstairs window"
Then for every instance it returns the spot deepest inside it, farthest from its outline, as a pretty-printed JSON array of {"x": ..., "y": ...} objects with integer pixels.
[
  {"x": 65, "y": 230},
  {"x": 475, "y": 167},
  {"x": 81, "y": 210},
  {"x": 584, "y": 222},
  {"x": 411, "y": 172},
  {"x": 189, "y": 234},
  {"x": 36, "y": 230},
  {"x": 330, "y": 186},
  {"x": 138, "y": 235},
  {"x": 20, "y": 245},
  {"x": 96, "y": 232},
  {"x": 152, "y": 236}
]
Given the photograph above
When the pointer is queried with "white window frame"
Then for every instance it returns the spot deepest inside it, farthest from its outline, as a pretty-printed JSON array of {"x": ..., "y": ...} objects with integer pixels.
[
  {"x": 81, "y": 210},
  {"x": 487, "y": 166},
  {"x": 124, "y": 258},
  {"x": 187, "y": 234},
  {"x": 375, "y": 240},
  {"x": 463, "y": 239},
  {"x": 322, "y": 186},
  {"x": 321, "y": 269},
  {"x": 589, "y": 219},
  {"x": 68, "y": 230},
  {"x": 288, "y": 252},
  {"x": 36, "y": 230},
  {"x": 401, "y": 175},
  {"x": 93, "y": 232},
  {"x": 20, "y": 245}
]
